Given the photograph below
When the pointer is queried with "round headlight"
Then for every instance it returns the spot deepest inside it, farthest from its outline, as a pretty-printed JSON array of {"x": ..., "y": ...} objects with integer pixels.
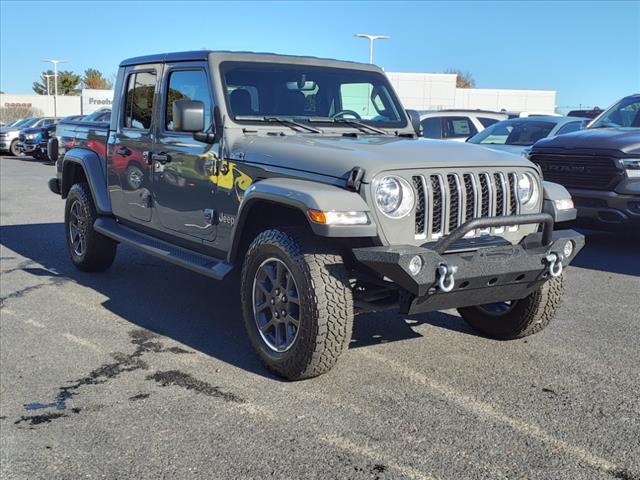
[
  {"x": 527, "y": 189},
  {"x": 394, "y": 196}
]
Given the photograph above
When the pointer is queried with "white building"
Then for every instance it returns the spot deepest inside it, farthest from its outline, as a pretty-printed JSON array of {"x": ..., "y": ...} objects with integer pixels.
[
  {"x": 437, "y": 91},
  {"x": 88, "y": 101}
]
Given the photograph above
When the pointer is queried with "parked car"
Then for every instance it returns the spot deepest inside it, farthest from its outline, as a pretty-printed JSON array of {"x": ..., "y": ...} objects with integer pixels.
[
  {"x": 324, "y": 209},
  {"x": 518, "y": 134},
  {"x": 457, "y": 125},
  {"x": 9, "y": 135},
  {"x": 33, "y": 141},
  {"x": 600, "y": 166}
]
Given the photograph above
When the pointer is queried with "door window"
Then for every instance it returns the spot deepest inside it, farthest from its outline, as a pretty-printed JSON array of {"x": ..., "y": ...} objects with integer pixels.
[
  {"x": 459, "y": 127},
  {"x": 432, "y": 127},
  {"x": 139, "y": 100},
  {"x": 188, "y": 85},
  {"x": 487, "y": 122},
  {"x": 571, "y": 127}
]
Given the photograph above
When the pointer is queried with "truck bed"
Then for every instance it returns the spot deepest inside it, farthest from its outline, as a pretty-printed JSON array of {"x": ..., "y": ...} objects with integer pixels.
[{"x": 91, "y": 135}]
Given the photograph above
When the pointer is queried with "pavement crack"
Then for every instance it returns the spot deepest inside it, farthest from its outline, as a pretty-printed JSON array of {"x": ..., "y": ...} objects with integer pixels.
[
  {"x": 24, "y": 291},
  {"x": 184, "y": 380}
]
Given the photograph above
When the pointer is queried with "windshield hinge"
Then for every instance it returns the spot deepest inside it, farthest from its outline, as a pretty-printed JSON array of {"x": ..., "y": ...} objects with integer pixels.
[{"x": 355, "y": 179}]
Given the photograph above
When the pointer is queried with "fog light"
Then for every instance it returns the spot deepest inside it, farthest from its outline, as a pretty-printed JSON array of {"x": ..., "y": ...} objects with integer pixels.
[
  {"x": 564, "y": 204},
  {"x": 415, "y": 265},
  {"x": 568, "y": 249}
]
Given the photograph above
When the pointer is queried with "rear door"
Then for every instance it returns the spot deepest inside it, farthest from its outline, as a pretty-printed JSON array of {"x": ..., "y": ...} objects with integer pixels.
[
  {"x": 183, "y": 185},
  {"x": 128, "y": 165}
]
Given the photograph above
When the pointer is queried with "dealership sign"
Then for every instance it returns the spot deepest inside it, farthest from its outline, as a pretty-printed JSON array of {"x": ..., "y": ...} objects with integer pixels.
[
  {"x": 93, "y": 100},
  {"x": 17, "y": 105}
]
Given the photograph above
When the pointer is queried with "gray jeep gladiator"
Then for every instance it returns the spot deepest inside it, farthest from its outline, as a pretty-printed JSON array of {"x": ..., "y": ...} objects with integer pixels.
[{"x": 308, "y": 176}]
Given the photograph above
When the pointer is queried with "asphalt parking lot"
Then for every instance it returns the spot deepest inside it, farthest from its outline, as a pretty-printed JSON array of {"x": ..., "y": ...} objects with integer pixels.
[{"x": 145, "y": 372}]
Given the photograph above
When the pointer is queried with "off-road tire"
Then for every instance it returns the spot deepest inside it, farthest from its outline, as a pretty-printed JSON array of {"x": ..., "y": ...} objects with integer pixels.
[
  {"x": 13, "y": 149},
  {"x": 99, "y": 251},
  {"x": 326, "y": 302},
  {"x": 528, "y": 316}
]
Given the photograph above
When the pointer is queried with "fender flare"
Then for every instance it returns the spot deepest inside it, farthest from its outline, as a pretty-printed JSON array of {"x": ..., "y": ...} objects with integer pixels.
[
  {"x": 92, "y": 166},
  {"x": 555, "y": 191},
  {"x": 304, "y": 195}
]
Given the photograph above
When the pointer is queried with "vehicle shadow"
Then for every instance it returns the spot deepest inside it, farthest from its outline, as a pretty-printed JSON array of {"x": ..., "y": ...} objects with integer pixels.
[
  {"x": 189, "y": 308},
  {"x": 610, "y": 252}
]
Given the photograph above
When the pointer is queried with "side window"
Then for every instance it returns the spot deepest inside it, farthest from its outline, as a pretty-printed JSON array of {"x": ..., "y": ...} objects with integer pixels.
[
  {"x": 432, "y": 127},
  {"x": 459, "y": 127},
  {"x": 570, "y": 127},
  {"x": 188, "y": 85},
  {"x": 139, "y": 100},
  {"x": 487, "y": 122}
]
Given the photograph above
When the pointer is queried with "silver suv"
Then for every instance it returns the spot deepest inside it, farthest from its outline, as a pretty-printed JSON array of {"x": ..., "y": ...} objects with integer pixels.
[{"x": 9, "y": 136}]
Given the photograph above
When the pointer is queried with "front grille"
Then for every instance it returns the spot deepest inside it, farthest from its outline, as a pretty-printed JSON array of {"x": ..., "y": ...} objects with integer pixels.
[
  {"x": 575, "y": 171},
  {"x": 444, "y": 202}
]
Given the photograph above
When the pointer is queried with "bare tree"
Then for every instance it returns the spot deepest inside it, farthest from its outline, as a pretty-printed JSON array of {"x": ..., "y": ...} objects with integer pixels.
[
  {"x": 9, "y": 114},
  {"x": 463, "y": 79}
]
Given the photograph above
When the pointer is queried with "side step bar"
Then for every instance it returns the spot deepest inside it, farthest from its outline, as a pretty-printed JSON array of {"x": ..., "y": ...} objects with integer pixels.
[{"x": 203, "y": 264}]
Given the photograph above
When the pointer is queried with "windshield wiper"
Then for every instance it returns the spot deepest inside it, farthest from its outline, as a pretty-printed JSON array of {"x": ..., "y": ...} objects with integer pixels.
[
  {"x": 282, "y": 121},
  {"x": 349, "y": 121}
]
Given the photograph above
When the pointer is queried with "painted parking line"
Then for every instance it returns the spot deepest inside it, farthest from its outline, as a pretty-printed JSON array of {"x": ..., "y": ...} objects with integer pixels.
[{"x": 484, "y": 410}]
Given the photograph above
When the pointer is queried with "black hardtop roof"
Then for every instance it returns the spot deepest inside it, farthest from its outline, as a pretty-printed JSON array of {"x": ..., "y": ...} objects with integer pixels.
[{"x": 199, "y": 55}]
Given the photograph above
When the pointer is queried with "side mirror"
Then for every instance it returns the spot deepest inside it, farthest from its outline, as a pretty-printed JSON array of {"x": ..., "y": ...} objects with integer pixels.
[
  {"x": 414, "y": 117},
  {"x": 188, "y": 116}
]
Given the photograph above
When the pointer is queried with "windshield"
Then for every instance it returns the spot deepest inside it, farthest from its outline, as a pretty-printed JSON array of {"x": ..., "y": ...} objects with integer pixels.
[
  {"x": 98, "y": 116},
  {"x": 625, "y": 113},
  {"x": 29, "y": 122},
  {"x": 25, "y": 122},
  {"x": 309, "y": 93},
  {"x": 520, "y": 132}
]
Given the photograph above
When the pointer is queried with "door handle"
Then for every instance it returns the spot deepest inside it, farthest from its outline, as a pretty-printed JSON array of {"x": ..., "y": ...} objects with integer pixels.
[
  {"x": 161, "y": 157},
  {"x": 123, "y": 151}
]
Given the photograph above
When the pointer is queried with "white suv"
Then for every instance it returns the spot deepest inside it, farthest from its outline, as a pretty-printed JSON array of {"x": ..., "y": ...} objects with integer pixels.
[{"x": 457, "y": 125}]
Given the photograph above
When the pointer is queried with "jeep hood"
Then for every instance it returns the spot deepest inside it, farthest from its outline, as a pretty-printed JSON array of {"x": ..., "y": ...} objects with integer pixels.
[
  {"x": 624, "y": 140},
  {"x": 335, "y": 156}
]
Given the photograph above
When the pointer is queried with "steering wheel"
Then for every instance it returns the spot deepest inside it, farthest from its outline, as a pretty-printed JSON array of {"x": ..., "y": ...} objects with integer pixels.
[{"x": 342, "y": 113}]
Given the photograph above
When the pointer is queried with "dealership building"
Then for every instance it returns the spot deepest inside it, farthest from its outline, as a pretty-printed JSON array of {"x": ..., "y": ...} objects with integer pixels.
[
  {"x": 418, "y": 91},
  {"x": 437, "y": 91},
  {"x": 87, "y": 102}
]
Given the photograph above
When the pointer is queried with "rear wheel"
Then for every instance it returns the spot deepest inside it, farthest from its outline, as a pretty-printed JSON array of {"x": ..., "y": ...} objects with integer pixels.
[
  {"x": 89, "y": 250},
  {"x": 297, "y": 303},
  {"x": 517, "y": 318}
]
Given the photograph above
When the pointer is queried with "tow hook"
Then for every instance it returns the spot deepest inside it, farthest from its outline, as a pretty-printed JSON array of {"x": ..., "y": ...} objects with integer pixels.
[
  {"x": 445, "y": 279},
  {"x": 554, "y": 265}
]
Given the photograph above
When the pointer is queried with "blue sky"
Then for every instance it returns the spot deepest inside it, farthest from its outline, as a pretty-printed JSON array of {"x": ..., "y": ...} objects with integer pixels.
[{"x": 589, "y": 52}]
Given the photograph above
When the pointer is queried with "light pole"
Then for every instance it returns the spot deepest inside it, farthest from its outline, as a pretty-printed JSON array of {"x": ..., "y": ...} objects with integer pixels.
[
  {"x": 47, "y": 76},
  {"x": 55, "y": 83},
  {"x": 371, "y": 38}
]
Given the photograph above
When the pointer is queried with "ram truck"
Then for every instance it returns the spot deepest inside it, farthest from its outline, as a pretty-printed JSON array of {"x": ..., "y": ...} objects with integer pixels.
[
  {"x": 308, "y": 177},
  {"x": 600, "y": 166}
]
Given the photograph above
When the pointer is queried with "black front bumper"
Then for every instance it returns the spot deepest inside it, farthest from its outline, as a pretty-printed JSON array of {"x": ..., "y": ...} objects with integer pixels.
[{"x": 488, "y": 269}]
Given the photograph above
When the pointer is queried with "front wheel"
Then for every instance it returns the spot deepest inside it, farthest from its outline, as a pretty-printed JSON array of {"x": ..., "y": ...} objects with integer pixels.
[
  {"x": 297, "y": 303},
  {"x": 517, "y": 318},
  {"x": 89, "y": 250},
  {"x": 14, "y": 150}
]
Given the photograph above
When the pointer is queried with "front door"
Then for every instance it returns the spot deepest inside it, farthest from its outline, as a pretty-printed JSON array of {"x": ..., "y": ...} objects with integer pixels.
[
  {"x": 183, "y": 186},
  {"x": 127, "y": 165}
]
